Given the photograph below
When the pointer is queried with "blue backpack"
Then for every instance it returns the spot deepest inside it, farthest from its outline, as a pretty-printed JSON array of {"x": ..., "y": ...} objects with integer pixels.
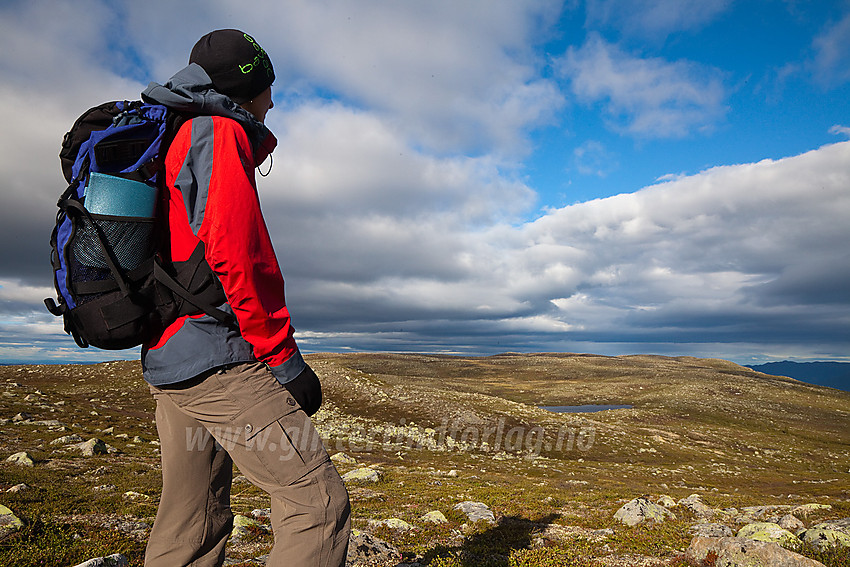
[{"x": 113, "y": 288}]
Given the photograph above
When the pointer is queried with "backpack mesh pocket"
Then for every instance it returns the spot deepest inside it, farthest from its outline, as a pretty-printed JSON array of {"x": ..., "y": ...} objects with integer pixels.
[{"x": 131, "y": 240}]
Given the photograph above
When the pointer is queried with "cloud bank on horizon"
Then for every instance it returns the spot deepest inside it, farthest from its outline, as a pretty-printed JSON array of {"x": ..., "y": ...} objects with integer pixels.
[{"x": 607, "y": 176}]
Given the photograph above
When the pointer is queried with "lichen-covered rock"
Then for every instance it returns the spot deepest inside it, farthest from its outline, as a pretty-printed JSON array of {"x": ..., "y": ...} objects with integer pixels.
[
  {"x": 666, "y": 501},
  {"x": 805, "y": 509},
  {"x": 9, "y": 522},
  {"x": 92, "y": 447},
  {"x": 711, "y": 530},
  {"x": 695, "y": 504},
  {"x": 362, "y": 475},
  {"x": 365, "y": 550},
  {"x": 115, "y": 560},
  {"x": 435, "y": 517},
  {"x": 242, "y": 526},
  {"x": 393, "y": 524},
  {"x": 476, "y": 511},
  {"x": 791, "y": 523},
  {"x": 769, "y": 513},
  {"x": 21, "y": 458},
  {"x": 642, "y": 510},
  {"x": 770, "y": 532},
  {"x": 343, "y": 459},
  {"x": 842, "y": 525},
  {"x": 743, "y": 552},
  {"x": 825, "y": 538},
  {"x": 67, "y": 439}
]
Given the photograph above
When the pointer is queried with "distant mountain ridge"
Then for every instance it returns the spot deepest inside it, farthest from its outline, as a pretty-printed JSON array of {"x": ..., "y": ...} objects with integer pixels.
[{"x": 831, "y": 374}]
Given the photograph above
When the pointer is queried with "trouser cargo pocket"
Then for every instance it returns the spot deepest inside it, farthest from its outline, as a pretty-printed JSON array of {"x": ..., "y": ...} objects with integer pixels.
[{"x": 283, "y": 439}]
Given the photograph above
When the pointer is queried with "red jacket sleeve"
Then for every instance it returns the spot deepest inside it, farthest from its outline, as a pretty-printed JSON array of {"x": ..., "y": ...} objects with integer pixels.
[{"x": 240, "y": 252}]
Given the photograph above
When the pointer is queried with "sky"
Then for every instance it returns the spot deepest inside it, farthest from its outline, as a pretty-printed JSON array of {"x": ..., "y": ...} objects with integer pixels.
[{"x": 481, "y": 176}]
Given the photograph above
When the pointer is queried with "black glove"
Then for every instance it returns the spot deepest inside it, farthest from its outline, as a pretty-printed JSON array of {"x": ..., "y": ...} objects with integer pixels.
[{"x": 307, "y": 390}]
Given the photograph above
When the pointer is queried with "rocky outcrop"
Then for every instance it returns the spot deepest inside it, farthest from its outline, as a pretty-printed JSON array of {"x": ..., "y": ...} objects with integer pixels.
[
  {"x": 743, "y": 552},
  {"x": 824, "y": 537},
  {"x": 769, "y": 532},
  {"x": 476, "y": 512},
  {"x": 365, "y": 550},
  {"x": 642, "y": 510}
]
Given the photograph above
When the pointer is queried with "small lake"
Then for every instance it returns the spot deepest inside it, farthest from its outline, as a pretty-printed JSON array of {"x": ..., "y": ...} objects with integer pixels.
[{"x": 583, "y": 409}]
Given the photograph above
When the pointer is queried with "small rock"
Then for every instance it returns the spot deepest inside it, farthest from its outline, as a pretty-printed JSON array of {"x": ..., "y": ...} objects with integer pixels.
[
  {"x": 131, "y": 495},
  {"x": 770, "y": 513},
  {"x": 366, "y": 549},
  {"x": 362, "y": 475},
  {"x": 435, "y": 517},
  {"x": 258, "y": 513},
  {"x": 839, "y": 525},
  {"x": 18, "y": 488},
  {"x": 92, "y": 447},
  {"x": 21, "y": 458},
  {"x": 476, "y": 511},
  {"x": 791, "y": 523},
  {"x": 394, "y": 524},
  {"x": 825, "y": 538},
  {"x": 642, "y": 510},
  {"x": 105, "y": 488},
  {"x": 805, "y": 509},
  {"x": 770, "y": 532},
  {"x": 736, "y": 551},
  {"x": 711, "y": 530},
  {"x": 115, "y": 560},
  {"x": 9, "y": 522},
  {"x": 242, "y": 525},
  {"x": 667, "y": 501},
  {"x": 67, "y": 440},
  {"x": 23, "y": 416},
  {"x": 343, "y": 459},
  {"x": 697, "y": 506},
  {"x": 452, "y": 474}
]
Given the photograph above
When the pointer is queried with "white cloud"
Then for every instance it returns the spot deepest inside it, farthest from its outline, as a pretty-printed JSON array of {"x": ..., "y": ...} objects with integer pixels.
[
  {"x": 707, "y": 258},
  {"x": 838, "y": 129},
  {"x": 651, "y": 97},
  {"x": 452, "y": 76},
  {"x": 654, "y": 18},
  {"x": 397, "y": 211},
  {"x": 830, "y": 64},
  {"x": 593, "y": 158}
]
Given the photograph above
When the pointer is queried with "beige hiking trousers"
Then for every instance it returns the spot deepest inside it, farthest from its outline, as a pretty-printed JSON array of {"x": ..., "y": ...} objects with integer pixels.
[{"x": 242, "y": 414}]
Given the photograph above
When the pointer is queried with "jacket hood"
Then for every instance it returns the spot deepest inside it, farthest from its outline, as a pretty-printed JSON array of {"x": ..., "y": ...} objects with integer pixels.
[{"x": 191, "y": 91}]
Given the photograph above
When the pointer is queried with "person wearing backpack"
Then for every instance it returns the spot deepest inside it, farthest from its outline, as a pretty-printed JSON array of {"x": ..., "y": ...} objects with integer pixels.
[{"x": 233, "y": 393}]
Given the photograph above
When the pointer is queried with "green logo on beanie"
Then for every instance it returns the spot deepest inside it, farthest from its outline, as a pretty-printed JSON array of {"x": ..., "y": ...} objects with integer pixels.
[{"x": 261, "y": 61}]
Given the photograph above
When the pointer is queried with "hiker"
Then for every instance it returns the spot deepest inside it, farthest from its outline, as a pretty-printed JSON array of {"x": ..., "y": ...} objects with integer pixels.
[{"x": 233, "y": 393}]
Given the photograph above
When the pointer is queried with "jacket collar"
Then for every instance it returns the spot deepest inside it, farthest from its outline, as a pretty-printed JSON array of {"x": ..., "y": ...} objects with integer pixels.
[{"x": 191, "y": 91}]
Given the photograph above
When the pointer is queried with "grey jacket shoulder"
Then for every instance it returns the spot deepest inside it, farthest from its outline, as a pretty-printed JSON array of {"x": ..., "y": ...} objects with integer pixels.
[{"x": 191, "y": 91}]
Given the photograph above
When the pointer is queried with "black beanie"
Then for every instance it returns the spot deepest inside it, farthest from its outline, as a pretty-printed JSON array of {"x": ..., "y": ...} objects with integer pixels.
[{"x": 237, "y": 65}]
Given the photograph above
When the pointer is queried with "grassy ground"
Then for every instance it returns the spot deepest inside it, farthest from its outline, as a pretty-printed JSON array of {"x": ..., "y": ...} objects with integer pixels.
[{"x": 444, "y": 430}]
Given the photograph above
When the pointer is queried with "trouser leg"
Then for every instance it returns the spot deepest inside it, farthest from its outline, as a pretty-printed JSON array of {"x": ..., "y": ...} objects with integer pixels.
[
  {"x": 311, "y": 520},
  {"x": 193, "y": 520},
  {"x": 276, "y": 446}
]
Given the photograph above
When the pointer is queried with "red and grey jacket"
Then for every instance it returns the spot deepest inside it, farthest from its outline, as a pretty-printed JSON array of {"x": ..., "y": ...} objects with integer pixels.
[{"x": 211, "y": 197}]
